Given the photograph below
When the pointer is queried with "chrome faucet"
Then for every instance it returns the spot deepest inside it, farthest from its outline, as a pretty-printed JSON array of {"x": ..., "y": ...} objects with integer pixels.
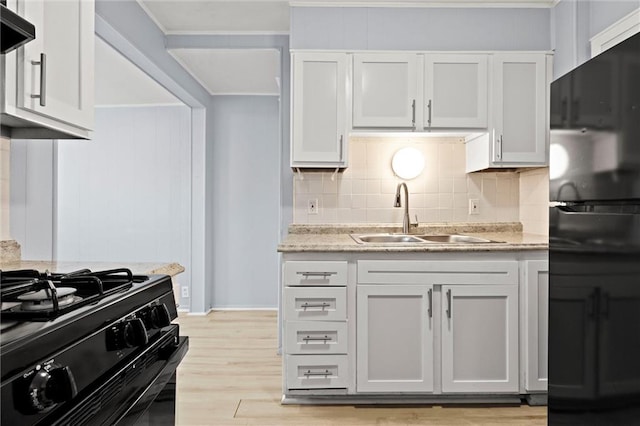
[{"x": 405, "y": 221}]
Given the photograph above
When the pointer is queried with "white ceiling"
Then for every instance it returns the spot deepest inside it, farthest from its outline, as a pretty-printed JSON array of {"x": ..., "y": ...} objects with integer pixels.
[{"x": 230, "y": 71}]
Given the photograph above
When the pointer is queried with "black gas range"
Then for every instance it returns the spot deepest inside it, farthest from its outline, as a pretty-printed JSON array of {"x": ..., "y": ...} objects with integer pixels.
[{"x": 88, "y": 348}]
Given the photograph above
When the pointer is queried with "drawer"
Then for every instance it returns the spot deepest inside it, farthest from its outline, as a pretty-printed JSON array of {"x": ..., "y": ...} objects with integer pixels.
[
  {"x": 315, "y": 303},
  {"x": 315, "y": 337},
  {"x": 315, "y": 273},
  {"x": 316, "y": 371}
]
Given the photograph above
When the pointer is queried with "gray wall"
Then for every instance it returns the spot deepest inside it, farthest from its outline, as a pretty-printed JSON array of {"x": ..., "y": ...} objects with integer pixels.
[
  {"x": 125, "y": 196},
  {"x": 246, "y": 181},
  {"x": 575, "y": 22},
  {"x": 381, "y": 28}
]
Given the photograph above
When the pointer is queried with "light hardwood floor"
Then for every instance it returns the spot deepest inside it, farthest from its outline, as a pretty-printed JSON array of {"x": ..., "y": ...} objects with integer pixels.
[{"x": 231, "y": 376}]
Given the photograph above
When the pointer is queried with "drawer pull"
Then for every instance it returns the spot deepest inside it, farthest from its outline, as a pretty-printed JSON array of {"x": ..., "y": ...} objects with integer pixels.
[
  {"x": 320, "y": 339},
  {"x": 316, "y": 274},
  {"x": 322, "y": 305},
  {"x": 309, "y": 373}
]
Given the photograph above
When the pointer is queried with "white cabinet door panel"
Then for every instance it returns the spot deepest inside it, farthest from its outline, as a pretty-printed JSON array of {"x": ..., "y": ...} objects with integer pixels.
[
  {"x": 520, "y": 96},
  {"x": 384, "y": 90},
  {"x": 479, "y": 339},
  {"x": 394, "y": 338},
  {"x": 456, "y": 88},
  {"x": 537, "y": 324},
  {"x": 319, "y": 110}
]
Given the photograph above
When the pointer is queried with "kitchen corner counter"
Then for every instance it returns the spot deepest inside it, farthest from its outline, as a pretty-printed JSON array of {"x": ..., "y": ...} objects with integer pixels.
[
  {"x": 171, "y": 269},
  {"x": 336, "y": 238}
]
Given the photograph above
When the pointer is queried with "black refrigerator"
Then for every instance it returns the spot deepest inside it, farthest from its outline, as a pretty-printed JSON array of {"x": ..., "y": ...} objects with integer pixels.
[{"x": 594, "y": 241}]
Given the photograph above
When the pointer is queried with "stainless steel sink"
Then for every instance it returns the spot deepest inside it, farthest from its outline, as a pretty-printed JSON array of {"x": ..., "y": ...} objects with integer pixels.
[
  {"x": 456, "y": 239},
  {"x": 403, "y": 239},
  {"x": 386, "y": 239}
]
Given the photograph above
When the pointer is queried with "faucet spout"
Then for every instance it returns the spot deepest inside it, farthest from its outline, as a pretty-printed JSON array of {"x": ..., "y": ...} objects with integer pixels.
[{"x": 405, "y": 219}]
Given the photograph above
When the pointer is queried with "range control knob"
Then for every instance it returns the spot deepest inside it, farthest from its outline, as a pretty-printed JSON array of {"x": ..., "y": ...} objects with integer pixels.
[
  {"x": 155, "y": 316},
  {"x": 160, "y": 316},
  {"x": 49, "y": 386},
  {"x": 127, "y": 334}
]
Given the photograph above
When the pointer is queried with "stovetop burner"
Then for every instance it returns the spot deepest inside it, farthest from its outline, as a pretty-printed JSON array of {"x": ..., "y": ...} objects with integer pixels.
[{"x": 35, "y": 296}]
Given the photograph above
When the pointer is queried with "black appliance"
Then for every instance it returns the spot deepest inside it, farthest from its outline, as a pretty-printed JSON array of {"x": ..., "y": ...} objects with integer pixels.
[
  {"x": 14, "y": 29},
  {"x": 594, "y": 241},
  {"x": 88, "y": 348}
]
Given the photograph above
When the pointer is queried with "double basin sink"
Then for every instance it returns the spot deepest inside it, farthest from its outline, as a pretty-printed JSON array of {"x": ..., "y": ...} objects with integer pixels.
[{"x": 404, "y": 239}]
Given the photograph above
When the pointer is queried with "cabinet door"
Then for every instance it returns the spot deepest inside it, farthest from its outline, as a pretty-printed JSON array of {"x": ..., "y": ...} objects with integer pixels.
[
  {"x": 536, "y": 319},
  {"x": 455, "y": 88},
  {"x": 394, "y": 338},
  {"x": 480, "y": 338},
  {"x": 520, "y": 109},
  {"x": 319, "y": 110},
  {"x": 385, "y": 90},
  {"x": 57, "y": 67}
]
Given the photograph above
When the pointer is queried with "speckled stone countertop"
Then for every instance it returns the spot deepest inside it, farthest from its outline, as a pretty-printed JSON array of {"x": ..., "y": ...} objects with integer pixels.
[
  {"x": 336, "y": 238},
  {"x": 137, "y": 268}
]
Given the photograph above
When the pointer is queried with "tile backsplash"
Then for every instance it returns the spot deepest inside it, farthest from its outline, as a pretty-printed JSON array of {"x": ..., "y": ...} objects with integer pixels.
[
  {"x": 534, "y": 201},
  {"x": 365, "y": 191}
]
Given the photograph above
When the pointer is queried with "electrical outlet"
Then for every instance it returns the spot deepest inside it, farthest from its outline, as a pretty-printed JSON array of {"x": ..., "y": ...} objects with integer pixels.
[
  {"x": 185, "y": 291},
  {"x": 474, "y": 206},
  {"x": 312, "y": 207}
]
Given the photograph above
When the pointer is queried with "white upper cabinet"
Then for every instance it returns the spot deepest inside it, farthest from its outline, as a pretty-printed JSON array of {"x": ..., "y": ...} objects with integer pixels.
[
  {"x": 520, "y": 107},
  {"x": 385, "y": 90},
  {"x": 53, "y": 91},
  {"x": 455, "y": 91},
  {"x": 319, "y": 110},
  {"x": 519, "y": 121}
]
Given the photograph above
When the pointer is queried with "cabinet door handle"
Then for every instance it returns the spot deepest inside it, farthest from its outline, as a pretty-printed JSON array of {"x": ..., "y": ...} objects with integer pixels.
[
  {"x": 43, "y": 79},
  {"x": 430, "y": 310},
  {"x": 316, "y": 274},
  {"x": 341, "y": 146},
  {"x": 310, "y": 373},
  {"x": 313, "y": 339},
  {"x": 413, "y": 114},
  {"x": 449, "y": 303},
  {"x": 315, "y": 305},
  {"x": 499, "y": 147},
  {"x": 429, "y": 116}
]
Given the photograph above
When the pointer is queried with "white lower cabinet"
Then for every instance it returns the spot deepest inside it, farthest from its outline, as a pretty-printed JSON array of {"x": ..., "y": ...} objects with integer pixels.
[
  {"x": 398, "y": 331},
  {"x": 395, "y": 338},
  {"x": 447, "y": 326},
  {"x": 480, "y": 338},
  {"x": 536, "y": 324}
]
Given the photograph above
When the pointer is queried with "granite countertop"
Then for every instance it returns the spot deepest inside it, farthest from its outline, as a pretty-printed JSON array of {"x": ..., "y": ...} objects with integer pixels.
[
  {"x": 336, "y": 238},
  {"x": 136, "y": 267}
]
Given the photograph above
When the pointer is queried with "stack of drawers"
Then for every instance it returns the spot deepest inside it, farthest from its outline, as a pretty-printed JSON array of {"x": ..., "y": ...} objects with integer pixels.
[{"x": 315, "y": 324}]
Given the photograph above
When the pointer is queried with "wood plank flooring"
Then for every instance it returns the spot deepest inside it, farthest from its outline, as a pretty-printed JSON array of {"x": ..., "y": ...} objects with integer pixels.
[{"x": 232, "y": 376}]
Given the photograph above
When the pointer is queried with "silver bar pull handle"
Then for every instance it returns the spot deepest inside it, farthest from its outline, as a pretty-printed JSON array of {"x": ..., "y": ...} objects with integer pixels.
[
  {"x": 310, "y": 373},
  {"x": 316, "y": 274},
  {"x": 429, "y": 116},
  {"x": 317, "y": 339},
  {"x": 341, "y": 146},
  {"x": 43, "y": 79},
  {"x": 449, "y": 303},
  {"x": 430, "y": 309},
  {"x": 499, "y": 147},
  {"x": 413, "y": 114},
  {"x": 322, "y": 305}
]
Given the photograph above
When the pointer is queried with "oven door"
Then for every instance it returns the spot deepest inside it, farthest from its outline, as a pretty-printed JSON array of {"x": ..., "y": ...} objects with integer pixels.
[{"x": 140, "y": 392}]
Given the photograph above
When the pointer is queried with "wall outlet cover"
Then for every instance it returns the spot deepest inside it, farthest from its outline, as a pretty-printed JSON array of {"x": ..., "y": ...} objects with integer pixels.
[
  {"x": 185, "y": 291},
  {"x": 474, "y": 206},
  {"x": 312, "y": 207}
]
